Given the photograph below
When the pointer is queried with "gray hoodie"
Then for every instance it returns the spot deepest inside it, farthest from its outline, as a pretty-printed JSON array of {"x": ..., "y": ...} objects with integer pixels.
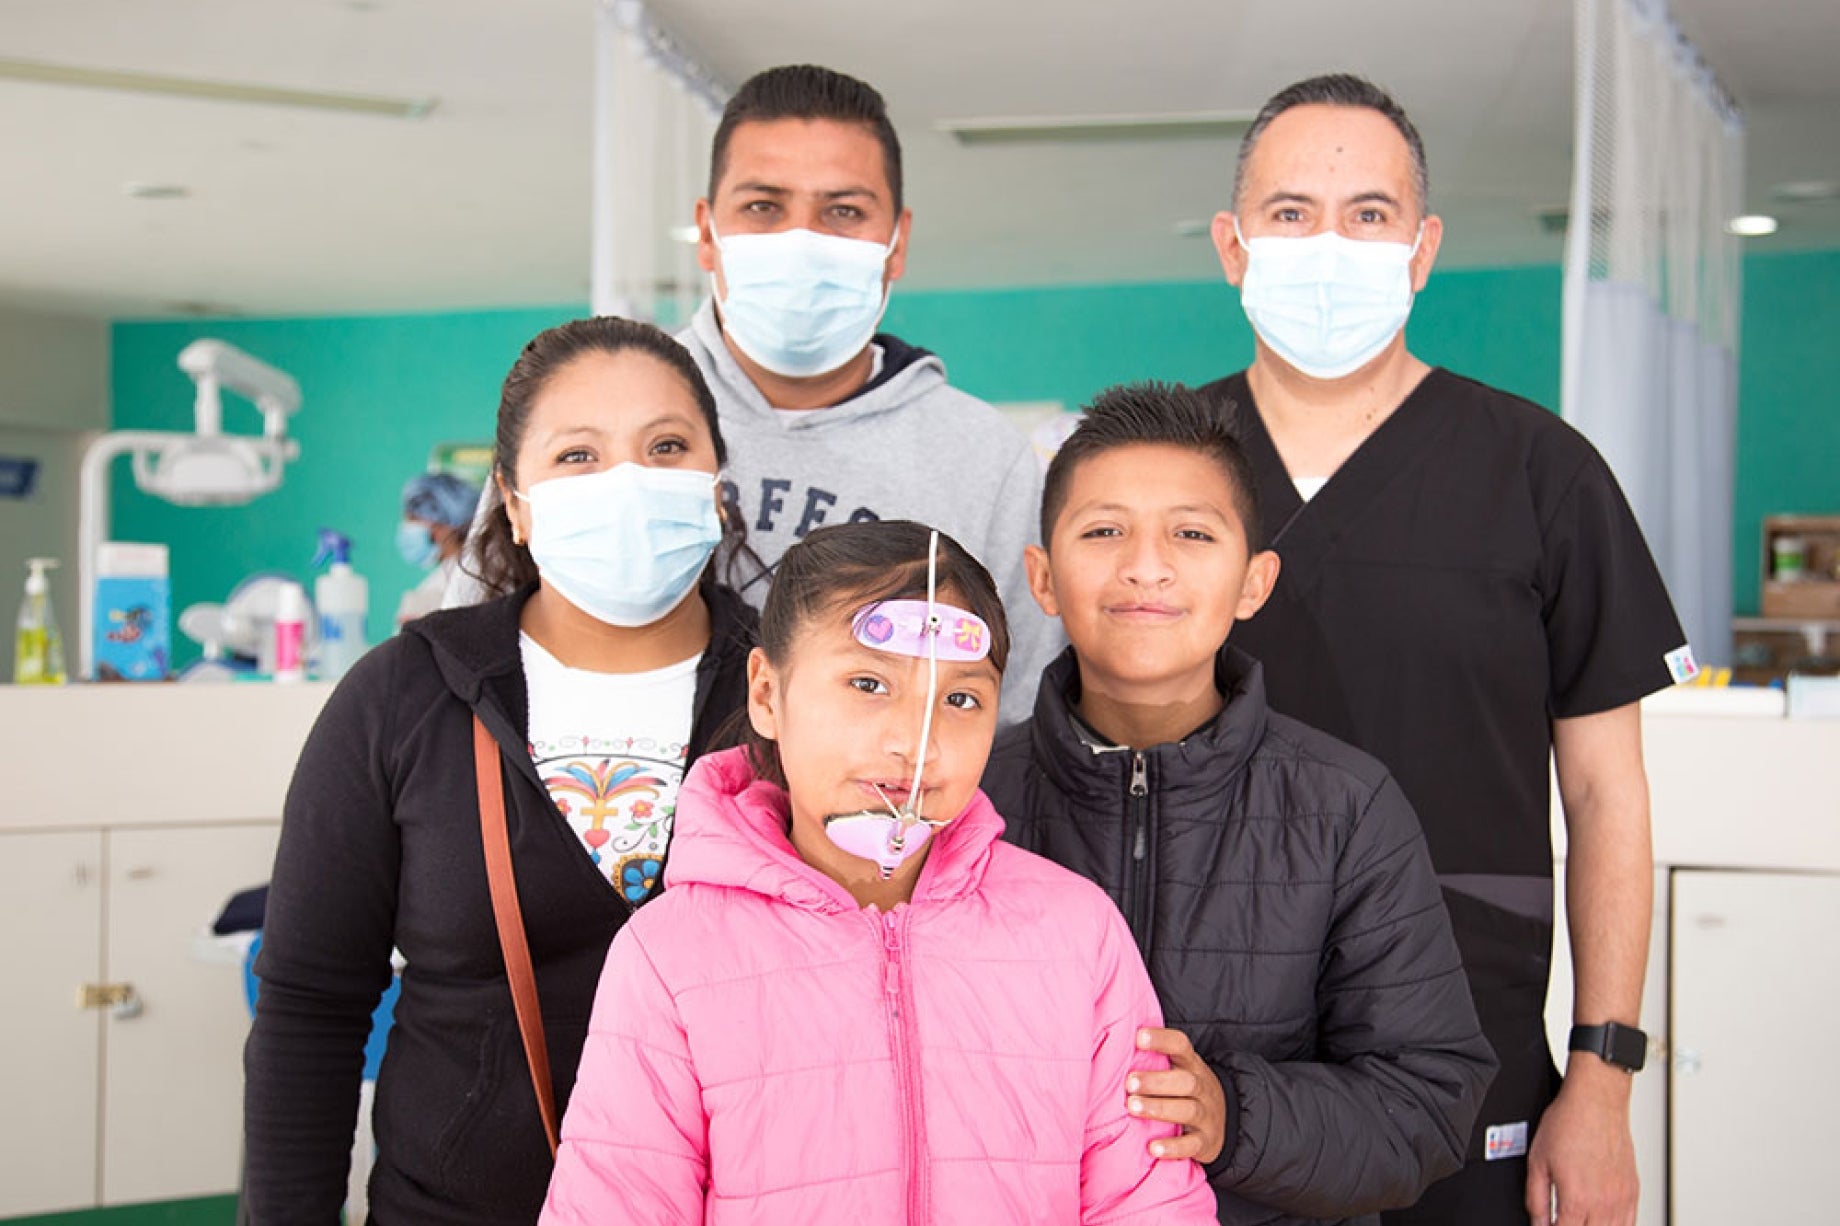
[{"x": 908, "y": 446}]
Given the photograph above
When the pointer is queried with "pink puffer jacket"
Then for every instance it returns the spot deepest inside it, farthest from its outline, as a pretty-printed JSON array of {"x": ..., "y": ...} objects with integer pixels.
[{"x": 765, "y": 1051}]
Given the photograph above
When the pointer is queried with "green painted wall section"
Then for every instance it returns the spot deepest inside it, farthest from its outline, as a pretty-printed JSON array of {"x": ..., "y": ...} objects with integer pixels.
[
  {"x": 1501, "y": 326},
  {"x": 1788, "y": 403},
  {"x": 377, "y": 393},
  {"x": 380, "y": 391}
]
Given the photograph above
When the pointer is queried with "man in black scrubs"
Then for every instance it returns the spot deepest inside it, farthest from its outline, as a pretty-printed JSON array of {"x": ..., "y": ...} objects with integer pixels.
[{"x": 1466, "y": 596}]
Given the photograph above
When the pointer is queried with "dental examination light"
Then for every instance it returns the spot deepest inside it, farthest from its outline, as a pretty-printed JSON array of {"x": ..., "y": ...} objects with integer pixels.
[{"x": 205, "y": 468}]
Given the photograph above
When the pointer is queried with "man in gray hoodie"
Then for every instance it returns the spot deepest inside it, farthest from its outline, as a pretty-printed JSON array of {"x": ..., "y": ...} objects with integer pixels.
[{"x": 828, "y": 421}]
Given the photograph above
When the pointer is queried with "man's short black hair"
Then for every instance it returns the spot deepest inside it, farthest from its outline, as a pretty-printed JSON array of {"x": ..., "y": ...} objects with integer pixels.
[
  {"x": 806, "y": 91},
  {"x": 1159, "y": 414},
  {"x": 1335, "y": 89}
]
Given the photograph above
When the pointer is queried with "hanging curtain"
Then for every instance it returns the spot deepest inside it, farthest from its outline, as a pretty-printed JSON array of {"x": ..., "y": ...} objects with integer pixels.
[
  {"x": 1651, "y": 294},
  {"x": 655, "y": 113}
]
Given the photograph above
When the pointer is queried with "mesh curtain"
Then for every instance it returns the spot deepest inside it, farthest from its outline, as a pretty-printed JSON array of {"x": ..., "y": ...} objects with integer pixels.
[
  {"x": 1652, "y": 294},
  {"x": 655, "y": 113}
]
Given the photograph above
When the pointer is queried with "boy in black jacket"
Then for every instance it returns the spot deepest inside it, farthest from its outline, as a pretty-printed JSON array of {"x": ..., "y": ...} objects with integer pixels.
[{"x": 1327, "y": 1062}]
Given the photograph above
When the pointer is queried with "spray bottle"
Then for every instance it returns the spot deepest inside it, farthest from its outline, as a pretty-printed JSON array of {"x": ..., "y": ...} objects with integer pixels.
[
  {"x": 38, "y": 653},
  {"x": 343, "y": 597}
]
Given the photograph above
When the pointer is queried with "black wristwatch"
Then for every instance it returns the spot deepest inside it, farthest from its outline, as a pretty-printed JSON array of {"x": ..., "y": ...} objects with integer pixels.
[{"x": 1623, "y": 1046}]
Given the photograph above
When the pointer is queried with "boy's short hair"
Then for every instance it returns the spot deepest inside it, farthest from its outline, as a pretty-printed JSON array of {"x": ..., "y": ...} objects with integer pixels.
[
  {"x": 806, "y": 91},
  {"x": 1158, "y": 414}
]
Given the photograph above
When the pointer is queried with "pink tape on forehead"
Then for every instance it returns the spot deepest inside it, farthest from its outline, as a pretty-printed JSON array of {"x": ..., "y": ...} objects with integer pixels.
[{"x": 900, "y": 628}]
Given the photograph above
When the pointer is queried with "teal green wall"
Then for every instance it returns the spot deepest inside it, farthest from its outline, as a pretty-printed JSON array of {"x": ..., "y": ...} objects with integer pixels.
[
  {"x": 377, "y": 393},
  {"x": 1788, "y": 403},
  {"x": 380, "y": 391},
  {"x": 1500, "y": 326}
]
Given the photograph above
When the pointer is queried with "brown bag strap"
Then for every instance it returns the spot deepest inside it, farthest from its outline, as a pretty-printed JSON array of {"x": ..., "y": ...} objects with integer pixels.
[{"x": 510, "y": 919}]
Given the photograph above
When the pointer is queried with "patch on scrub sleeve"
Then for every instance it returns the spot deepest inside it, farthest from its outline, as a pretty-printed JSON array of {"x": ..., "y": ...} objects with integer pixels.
[
  {"x": 1504, "y": 1141},
  {"x": 1681, "y": 665}
]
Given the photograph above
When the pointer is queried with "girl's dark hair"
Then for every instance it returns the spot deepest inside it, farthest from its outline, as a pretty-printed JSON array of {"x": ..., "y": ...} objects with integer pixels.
[
  {"x": 837, "y": 570},
  {"x": 503, "y": 564}
]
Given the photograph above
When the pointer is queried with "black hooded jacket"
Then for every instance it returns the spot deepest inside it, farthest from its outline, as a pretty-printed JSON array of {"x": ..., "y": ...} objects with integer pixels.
[
  {"x": 1280, "y": 890},
  {"x": 380, "y": 847}
]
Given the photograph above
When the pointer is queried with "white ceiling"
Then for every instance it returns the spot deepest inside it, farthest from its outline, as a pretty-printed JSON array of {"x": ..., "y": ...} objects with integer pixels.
[{"x": 485, "y": 202}]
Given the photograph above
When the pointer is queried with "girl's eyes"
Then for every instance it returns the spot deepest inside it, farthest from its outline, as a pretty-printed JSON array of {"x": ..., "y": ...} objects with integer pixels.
[
  {"x": 963, "y": 700},
  {"x": 576, "y": 455},
  {"x": 670, "y": 446}
]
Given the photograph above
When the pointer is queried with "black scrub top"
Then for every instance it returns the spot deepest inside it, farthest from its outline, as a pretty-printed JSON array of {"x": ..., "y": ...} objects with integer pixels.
[{"x": 1469, "y": 574}]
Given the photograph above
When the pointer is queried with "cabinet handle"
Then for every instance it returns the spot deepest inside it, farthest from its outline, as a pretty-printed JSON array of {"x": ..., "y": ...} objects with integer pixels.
[
  {"x": 120, "y": 999},
  {"x": 1686, "y": 1062}
]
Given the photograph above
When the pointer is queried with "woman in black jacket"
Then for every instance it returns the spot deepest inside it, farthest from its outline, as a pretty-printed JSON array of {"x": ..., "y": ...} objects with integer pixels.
[{"x": 606, "y": 662}]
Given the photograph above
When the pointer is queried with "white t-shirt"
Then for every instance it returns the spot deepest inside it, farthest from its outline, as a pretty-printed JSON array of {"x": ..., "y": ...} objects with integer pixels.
[
  {"x": 611, "y": 749},
  {"x": 1309, "y": 487}
]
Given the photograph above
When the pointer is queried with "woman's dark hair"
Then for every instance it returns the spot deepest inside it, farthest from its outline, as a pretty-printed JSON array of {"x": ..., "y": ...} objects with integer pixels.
[
  {"x": 503, "y": 564},
  {"x": 837, "y": 570}
]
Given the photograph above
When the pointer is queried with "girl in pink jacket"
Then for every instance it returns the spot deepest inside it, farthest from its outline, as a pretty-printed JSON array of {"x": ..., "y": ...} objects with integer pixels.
[{"x": 854, "y": 1004}]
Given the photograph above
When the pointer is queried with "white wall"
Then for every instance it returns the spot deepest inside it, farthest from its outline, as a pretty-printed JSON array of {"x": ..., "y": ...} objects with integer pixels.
[{"x": 54, "y": 393}]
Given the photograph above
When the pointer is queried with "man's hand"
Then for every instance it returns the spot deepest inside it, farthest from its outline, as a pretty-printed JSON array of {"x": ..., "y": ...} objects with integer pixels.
[
  {"x": 1188, "y": 1094},
  {"x": 1581, "y": 1170}
]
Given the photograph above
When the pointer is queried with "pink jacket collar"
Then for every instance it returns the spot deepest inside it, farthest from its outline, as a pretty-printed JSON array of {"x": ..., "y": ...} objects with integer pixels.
[{"x": 730, "y": 830}]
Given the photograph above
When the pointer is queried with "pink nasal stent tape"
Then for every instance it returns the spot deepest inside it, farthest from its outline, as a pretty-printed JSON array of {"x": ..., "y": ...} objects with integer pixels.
[{"x": 925, "y": 630}]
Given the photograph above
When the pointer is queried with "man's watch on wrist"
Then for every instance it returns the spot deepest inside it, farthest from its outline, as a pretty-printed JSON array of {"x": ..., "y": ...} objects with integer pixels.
[{"x": 1622, "y": 1046}]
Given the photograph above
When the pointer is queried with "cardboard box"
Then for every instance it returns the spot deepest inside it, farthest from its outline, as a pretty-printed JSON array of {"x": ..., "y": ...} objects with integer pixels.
[
  {"x": 133, "y": 612},
  {"x": 1815, "y": 591}
]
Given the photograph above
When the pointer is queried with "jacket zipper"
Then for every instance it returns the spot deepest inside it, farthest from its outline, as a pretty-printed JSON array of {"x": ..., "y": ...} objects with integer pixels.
[
  {"x": 900, "y": 1030},
  {"x": 1137, "y": 888}
]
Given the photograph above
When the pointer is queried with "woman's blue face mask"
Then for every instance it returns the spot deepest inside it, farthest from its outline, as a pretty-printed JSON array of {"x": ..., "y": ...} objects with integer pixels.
[{"x": 416, "y": 544}]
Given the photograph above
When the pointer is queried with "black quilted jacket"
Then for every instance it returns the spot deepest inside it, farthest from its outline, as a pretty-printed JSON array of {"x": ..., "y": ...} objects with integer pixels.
[{"x": 1278, "y": 885}]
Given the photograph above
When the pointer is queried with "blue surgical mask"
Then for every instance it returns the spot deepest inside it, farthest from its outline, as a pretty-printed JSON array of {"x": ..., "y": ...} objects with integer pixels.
[
  {"x": 1326, "y": 304},
  {"x": 624, "y": 545},
  {"x": 416, "y": 544},
  {"x": 801, "y": 303}
]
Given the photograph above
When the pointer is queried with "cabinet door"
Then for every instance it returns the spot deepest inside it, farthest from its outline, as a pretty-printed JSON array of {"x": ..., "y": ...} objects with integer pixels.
[
  {"x": 1756, "y": 1075},
  {"x": 172, "y": 1109},
  {"x": 51, "y": 917}
]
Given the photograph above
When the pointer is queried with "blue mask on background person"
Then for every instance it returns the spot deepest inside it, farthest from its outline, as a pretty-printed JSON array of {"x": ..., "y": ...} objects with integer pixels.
[
  {"x": 416, "y": 544},
  {"x": 624, "y": 545},
  {"x": 1326, "y": 304},
  {"x": 801, "y": 303}
]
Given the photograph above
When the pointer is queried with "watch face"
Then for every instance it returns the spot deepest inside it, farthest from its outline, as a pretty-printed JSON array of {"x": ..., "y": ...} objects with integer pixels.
[{"x": 1627, "y": 1046}]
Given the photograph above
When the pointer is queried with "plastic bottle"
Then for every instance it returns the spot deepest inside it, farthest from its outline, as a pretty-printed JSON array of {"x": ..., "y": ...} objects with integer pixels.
[
  {"x": 38, "y": 653},
  {"x": 290, "y": 633},
  {"x": 343, "y": 598}
]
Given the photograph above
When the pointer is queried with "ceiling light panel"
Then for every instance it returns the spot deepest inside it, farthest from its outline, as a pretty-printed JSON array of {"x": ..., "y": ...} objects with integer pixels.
[
  {"x": 1090, "y": 129},
  {"x": 41, "y": 73}
]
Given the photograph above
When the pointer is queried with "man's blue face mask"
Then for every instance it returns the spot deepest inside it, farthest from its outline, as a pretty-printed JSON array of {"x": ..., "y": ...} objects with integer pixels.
[{"x": 801, "y": 303}]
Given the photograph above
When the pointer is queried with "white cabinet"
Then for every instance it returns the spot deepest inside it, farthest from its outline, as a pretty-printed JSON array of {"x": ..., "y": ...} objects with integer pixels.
[
  {"x": 1756, "y": 1075},
  {"x": 130, "y": 814},
  {"x": 141, "y": 1101},
  {"x": 51, "y": 912}
]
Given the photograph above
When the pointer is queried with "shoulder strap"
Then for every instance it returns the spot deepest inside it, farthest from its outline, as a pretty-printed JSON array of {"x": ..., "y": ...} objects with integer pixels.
[{"x": 510, "y": 919}]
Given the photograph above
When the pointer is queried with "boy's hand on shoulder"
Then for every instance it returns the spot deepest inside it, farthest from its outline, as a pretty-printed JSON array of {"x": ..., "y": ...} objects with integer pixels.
[{"x": 1188, "y": 1094}]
